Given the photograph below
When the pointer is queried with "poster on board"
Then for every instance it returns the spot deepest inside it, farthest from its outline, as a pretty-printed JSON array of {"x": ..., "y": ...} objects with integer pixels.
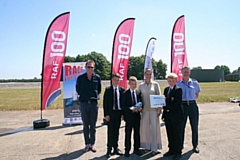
[{"x": 72, "y": 113}]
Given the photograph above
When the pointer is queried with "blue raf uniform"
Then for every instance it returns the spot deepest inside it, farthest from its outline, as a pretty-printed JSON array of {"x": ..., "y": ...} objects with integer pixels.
[{"x": 190, "y": 108}]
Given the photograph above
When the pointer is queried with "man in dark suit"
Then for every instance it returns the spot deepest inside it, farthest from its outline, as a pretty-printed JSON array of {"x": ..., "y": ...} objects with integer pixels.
[
  {"x": 173, "y": 117},
  {"x": 113, "y": 114},
  {"x": 132, "y": 117}
]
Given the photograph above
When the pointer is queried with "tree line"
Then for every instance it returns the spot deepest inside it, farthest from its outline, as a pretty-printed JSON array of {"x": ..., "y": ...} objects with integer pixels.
[
  {"x": 135, "y": 67},
  {"x": 224, "y": 67}
]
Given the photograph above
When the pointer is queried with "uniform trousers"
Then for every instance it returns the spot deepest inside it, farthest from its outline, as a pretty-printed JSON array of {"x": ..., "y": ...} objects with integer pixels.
[{"x": 191, "y": 111}]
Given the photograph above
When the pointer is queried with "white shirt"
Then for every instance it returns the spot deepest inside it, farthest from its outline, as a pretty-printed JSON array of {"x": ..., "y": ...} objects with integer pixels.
[
  {"x": 118, "y": 96},
  {"x": 135, "y": 96}
]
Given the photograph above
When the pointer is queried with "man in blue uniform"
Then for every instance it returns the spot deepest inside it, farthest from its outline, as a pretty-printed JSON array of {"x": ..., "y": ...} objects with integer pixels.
[
  {"x": 190, "y": 93},
  {"x": 88, "y": 87}
]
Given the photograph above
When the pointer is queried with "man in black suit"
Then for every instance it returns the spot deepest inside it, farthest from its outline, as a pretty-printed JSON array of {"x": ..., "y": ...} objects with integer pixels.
[
  {"x": 113, "y": 114},
  {"x": 173, "y": 117},
  {"x": 131, "y": 117}
]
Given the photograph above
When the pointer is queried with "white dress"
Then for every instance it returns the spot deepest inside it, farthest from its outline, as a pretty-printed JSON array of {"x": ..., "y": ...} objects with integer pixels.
[{"x": 150, "y": 134}]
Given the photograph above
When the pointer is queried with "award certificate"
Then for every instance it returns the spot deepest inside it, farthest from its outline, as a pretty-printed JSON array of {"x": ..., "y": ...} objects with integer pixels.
[{"x": 157, "y": 101}]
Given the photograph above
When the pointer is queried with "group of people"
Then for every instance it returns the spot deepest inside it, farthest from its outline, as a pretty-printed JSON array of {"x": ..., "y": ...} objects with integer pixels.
[{"x": 143, "y": 121}]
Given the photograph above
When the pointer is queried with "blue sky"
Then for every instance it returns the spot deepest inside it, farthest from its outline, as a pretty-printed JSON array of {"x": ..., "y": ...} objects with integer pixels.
[{"x": 212, "y": 30}]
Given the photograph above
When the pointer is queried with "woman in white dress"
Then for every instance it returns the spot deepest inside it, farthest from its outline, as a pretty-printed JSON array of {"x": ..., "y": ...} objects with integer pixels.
[{"x": 150, "y": 135}]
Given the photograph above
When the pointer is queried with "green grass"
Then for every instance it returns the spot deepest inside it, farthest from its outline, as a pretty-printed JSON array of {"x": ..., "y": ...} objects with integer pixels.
[
  {"x": 29, "y": 99},
  {"x": 219, "y": 92}
]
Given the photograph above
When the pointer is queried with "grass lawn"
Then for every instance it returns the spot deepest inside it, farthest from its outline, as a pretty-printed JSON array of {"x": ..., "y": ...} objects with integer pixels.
[{"x": 29, "y": 98}]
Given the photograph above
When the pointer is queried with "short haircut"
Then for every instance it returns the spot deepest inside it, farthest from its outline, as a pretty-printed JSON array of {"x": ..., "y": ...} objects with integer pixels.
[
  {"x": 172, "y": 75},
  {"x": 185, "y": 67},
  {"x": 115, "y": 75},
  {"x": 90, "y": 61},
  {"x": 132, "y": 79},
  {"x": 148, "y": 70}
]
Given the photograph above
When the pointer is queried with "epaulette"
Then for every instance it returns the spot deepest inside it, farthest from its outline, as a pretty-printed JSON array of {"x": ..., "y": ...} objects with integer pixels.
[{"x": 194, "y": 80}]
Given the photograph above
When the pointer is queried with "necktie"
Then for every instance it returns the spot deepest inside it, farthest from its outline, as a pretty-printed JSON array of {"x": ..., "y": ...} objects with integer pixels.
[
  {"x": 133, "y": 96},
  {"x": 115, "y": 100},
  {"x": 170, "y": 89}
]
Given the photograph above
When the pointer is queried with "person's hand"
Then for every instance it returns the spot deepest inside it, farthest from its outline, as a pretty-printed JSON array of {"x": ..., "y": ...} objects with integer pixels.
[
  {"x": 139, "y": 109},
  {"x": 158, "y": 114},
  {"x": 107, "y": 118},
  {"x": 135, "y": 110},
  {"x": 122, "y": 117},
  {"x": 160, "y": 108}
]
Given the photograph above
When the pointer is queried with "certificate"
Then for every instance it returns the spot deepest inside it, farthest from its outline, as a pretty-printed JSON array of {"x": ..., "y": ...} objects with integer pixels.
[{"x": 157, "y": 101}]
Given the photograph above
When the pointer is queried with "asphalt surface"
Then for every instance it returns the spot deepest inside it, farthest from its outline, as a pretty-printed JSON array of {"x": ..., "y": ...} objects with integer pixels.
[{"x": 219, "y": 136}]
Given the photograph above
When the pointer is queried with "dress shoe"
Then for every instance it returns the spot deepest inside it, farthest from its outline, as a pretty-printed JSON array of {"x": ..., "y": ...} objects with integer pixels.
[
  {"x": 117, "y": 152},
  {"x": 137, "y": 152},
  {"x": 126, "y": 154},
  {"x": 155, "y": 152},
  {"x": 168, "y": 154},
  {"x": 87, "y": 148},
  {"x": 108, "y": 154},
  {"x": 177, "y": 156},
  {"x": 196, "y": 150},
  {"x": 93, "y": 148}
]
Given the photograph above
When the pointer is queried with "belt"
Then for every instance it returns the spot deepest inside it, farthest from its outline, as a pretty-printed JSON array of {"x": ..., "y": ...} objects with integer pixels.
[
  {"x": 88, "y": 101},
  {"x": 188, "y": 102}
]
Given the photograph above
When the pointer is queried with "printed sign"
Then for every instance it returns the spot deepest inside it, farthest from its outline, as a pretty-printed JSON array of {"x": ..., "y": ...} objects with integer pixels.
[
  {"x": 72, "y": 113},
  {"x": 157, "y": 101}
]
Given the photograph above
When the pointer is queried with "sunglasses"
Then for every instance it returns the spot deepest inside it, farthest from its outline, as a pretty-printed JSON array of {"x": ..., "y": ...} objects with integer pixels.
[{"x": 90, "y": 67}]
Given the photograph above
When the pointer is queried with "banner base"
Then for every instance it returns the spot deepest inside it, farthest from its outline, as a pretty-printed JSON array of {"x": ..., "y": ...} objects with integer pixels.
[
  {"x": 73, "y": 121},
  {"x": 41, "y": 123}
]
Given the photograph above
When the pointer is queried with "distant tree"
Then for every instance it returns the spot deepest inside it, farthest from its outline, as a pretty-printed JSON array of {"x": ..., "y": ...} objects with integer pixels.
[
  {"x": 69, "y": 59},
  {"x": 224, "y": 67},
  {"x": 218, "y": 67},
  {"x": 161, "y": 70},
  {"x": 102, "y": 65},
  {"x": 236, "y": 70},
  {"x": 198, "y": 67},
  {"x": 136, "y": 66}
]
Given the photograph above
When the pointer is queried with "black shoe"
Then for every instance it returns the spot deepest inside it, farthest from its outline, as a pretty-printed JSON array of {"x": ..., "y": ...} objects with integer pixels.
[
  {"x": 117, "y": 152},
  {"x": 137, "y": 152},
  {"x": 108, "y": 155},
  {"x": 177, "y": 156},
  {"x": 126, "y": 154},
  {"x": 196, "y": 150},
  {"x": 168, "y": 154}
]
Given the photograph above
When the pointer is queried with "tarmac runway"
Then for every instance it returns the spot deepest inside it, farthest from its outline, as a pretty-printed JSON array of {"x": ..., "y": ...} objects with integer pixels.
[{"x": 219, "y": 136}]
